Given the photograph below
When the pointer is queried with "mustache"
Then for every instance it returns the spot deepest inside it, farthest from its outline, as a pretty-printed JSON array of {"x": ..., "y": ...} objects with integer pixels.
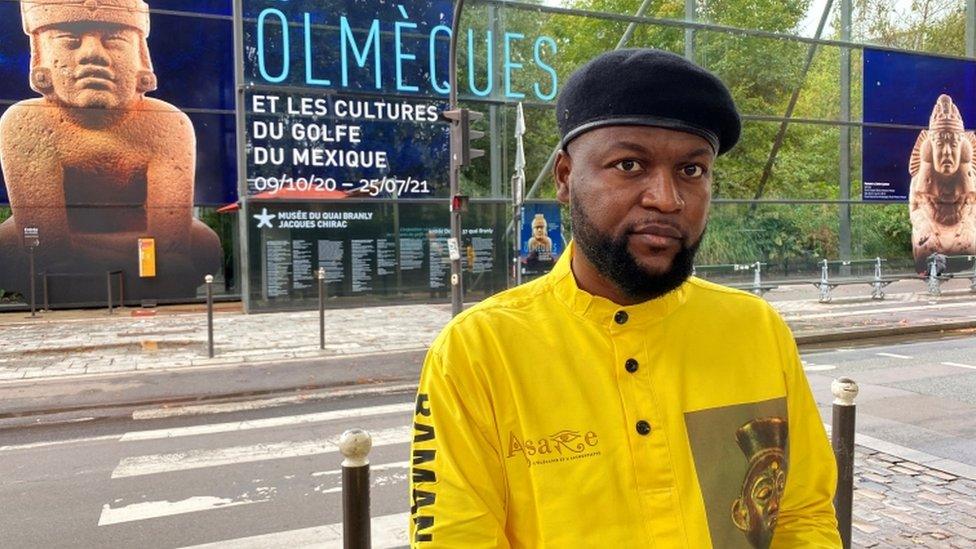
[
  {"x": 658, "y": 227},
  {"x": 94, "y": 72}
]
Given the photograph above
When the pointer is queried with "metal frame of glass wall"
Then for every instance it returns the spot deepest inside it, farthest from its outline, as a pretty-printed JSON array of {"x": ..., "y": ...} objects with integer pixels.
[{"x": 691, "y": 24}]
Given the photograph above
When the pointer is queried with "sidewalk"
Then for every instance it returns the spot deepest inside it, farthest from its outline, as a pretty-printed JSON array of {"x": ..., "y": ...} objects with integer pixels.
[{"x": 83, "y": 343}]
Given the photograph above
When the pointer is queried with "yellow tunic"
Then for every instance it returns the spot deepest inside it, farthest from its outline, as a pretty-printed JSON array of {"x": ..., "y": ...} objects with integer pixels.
[{"x": 548, "y": 417}]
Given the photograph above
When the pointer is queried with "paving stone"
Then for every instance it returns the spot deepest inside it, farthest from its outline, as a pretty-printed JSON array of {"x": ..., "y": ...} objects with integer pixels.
[
  {"x": 875, "y": 478},
  {"x": 931, "y": 479},
  {"x": 903, "y": 470},
  {"x": 962, "y": 530},
  {"x": 941, "y": 475},
  {"x": 864, "y": 527},
  {"x": 912, "y": 466},
  {"x": 861, "y": 491},
  {"x": 935, "y": 498}
]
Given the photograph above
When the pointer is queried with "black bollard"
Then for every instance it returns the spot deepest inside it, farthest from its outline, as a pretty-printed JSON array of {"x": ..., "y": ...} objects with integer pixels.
[
  {"x": 842, "y": 439},
  {"x": 355, "y": 445},
  {"x": 33, "y": 281},
  {"x": 108, "y": 289},
  {"x": 320, "y": 274},
  {"x": 210, "y": 340}
]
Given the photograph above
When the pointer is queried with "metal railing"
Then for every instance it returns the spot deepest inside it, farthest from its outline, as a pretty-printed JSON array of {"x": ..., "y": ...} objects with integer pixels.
[
  {"x": 826, "y": 283},
  {"x": 939, "y": 272}
]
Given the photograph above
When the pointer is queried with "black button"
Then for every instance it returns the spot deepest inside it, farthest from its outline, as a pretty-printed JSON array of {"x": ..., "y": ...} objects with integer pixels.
[
  {"x": 621, "y": 317},
  {"x": 643, "y": 427},
  {"x": 630, "y": 365}
]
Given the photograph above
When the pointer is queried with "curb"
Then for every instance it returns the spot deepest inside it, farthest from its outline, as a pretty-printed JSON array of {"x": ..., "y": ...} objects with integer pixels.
[{"x": 877, "y": 333}]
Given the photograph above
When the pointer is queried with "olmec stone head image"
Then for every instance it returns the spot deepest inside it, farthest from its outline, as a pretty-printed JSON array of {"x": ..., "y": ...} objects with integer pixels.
[
  {"x": 94, "y": 164},
  {"x": 540, "y": 241},
  {"x": 942, "y": 201}
]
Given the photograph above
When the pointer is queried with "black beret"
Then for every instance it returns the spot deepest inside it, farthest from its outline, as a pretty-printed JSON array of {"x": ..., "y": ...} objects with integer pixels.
[{"x": 647, "y": 87}]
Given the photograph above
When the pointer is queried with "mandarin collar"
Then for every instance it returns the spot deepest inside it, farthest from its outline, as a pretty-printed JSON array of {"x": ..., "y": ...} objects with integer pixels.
[{"x": 601, "y": 310}]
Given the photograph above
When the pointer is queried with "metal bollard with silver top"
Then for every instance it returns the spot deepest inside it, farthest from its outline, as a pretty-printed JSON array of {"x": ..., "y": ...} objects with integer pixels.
[
  {"x": 355, "y": 445},
  {"x": 757, "y": 280},
  {"x": 842, "y": 439},
  {"x": 877, "y": 287},
  {"x": 934, "y": 283},
  {"x": 824, "y": 286},
  {"x": 320, "y": 275},
  {"x": 210, "y": 340},
  {"x": 972, "y": 280}
]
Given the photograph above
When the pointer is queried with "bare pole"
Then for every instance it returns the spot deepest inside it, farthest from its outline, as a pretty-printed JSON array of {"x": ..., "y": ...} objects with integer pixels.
[
  {"x": 781, "y": 134},
  {"x": 844, "y": 210},
  {"x": 547, "y": 168},
  {"x": 457, "y": 291}
]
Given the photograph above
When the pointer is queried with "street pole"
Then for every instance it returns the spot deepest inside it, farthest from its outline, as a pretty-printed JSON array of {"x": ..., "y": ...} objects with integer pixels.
[
  {"x": 33, "y": 298},
  {"x": 844, "y": 238},
  {"x": 355, "y": 445},
  {"x": 457, "y": 291},
  {"x": 210, "y": 339},
  {"x": 517, "y": 230},
  {"x": 108, "y": 291},
  {"x": 842, "y": 439},
  {"x": 320, "y": 274}
]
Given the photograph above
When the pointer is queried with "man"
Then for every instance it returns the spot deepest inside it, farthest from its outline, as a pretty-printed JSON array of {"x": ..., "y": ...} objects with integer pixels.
[
  {"x": 540, "y": 241},
  {"x": 942, "y": 199},
  {"x": 94, "y": 164},
  {"x": 650, "y": 409}
]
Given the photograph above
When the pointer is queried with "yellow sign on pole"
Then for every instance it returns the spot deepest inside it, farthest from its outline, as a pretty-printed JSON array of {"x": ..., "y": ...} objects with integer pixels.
[{"x": 147, "y": 257}]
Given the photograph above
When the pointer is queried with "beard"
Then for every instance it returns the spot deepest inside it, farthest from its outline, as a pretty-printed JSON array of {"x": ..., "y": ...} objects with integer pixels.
[{"x": 614, "y": 261}]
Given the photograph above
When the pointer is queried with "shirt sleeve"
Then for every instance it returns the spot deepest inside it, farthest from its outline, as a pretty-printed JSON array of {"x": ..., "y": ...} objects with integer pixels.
[
  {"x": 457, "y": 482},
  {"x": 806, "y": 516}
]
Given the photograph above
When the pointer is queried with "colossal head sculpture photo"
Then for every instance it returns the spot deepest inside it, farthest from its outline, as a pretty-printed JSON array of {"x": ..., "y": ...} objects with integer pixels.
[
  {"x": 942, "y": 200},
  {"x": 540, "y": 241},
  {"x": 94, "y": 164}
]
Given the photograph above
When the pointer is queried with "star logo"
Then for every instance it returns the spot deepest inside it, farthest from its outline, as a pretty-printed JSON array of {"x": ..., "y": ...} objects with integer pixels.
[{"x": 264, "y": 218}]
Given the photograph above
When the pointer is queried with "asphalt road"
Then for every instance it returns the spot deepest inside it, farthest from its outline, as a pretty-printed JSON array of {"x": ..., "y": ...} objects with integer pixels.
[
  {"x": 255, "y": 475},
  {"x": 258, "y": 478},
  {"x": 920, "y": 394}
]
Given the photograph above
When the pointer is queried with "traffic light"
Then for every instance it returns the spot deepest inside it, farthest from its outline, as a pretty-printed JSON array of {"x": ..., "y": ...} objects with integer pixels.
[{"x": 462, "y": 134}]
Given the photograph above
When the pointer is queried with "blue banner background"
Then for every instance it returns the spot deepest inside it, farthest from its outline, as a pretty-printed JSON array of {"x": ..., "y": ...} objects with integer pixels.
[{"x": 901, "y": 88}]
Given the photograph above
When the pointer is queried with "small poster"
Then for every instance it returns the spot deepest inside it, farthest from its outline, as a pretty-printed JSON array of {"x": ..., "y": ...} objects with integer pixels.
[
  {"x": 541, "y": 239},
  {"x": 147, "y": 257}
]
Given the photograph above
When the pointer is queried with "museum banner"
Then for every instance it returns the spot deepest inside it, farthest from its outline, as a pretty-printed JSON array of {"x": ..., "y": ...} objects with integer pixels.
[
  {"x": 918, "y": 146},
  {"x": 115, "y": 122}
]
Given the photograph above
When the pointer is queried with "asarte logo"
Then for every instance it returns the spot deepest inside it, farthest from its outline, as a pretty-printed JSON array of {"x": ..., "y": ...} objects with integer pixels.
[{"x": 564, "y": 445}]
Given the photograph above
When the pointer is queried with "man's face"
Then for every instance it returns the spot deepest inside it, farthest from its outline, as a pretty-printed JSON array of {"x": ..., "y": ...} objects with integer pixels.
[
  {"x": 539, "y": 230},
  {"x": 93, "y": 65},
  {"x": 639, "y": 198},
  {"x": 946, "y": 151}
]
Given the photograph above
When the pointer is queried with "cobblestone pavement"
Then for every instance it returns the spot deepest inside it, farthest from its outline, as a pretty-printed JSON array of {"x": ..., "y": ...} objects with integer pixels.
[{"x": 899, "y": 503}]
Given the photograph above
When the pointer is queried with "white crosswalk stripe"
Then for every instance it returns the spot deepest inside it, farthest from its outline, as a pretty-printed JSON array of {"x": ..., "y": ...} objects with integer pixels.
[
  {"x": 226, "y": 493},
  {"x": 196, "y": 459},
  {"x": 267, "y": 423},
  {"x": 387, "y": 531}
]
